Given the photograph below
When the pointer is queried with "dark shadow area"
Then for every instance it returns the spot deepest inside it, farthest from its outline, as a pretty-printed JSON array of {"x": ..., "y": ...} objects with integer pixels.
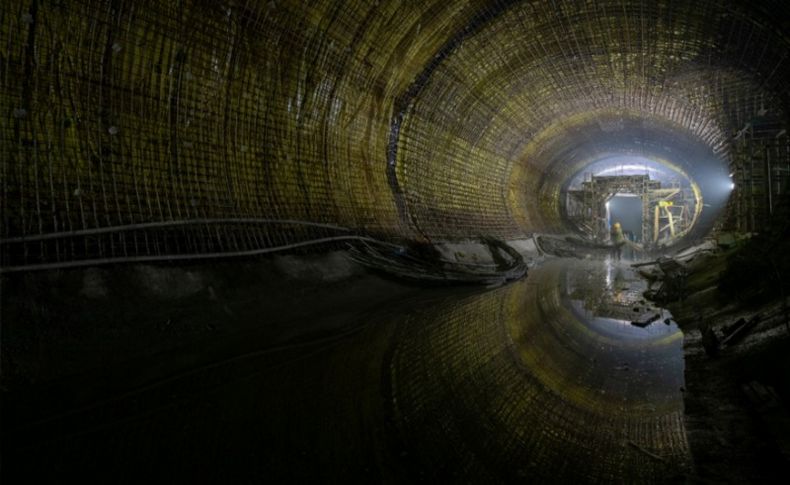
[{"x": 544, "y": 379}]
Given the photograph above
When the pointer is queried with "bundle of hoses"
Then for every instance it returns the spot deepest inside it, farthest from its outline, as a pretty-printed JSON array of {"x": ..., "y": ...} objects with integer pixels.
[{"x": 423, "y": 265}]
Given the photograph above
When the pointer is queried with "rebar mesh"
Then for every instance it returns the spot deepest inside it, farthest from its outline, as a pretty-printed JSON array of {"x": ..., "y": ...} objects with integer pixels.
[{"x": 398, "y": 120}]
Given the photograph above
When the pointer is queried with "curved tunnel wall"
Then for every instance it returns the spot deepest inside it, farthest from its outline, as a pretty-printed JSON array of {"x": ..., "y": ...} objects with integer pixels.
[{"x": 416, "y": 120}]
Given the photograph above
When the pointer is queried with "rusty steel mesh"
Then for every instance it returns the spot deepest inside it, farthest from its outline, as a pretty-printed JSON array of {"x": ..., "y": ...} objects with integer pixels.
[{"x": 136, "y": 130}]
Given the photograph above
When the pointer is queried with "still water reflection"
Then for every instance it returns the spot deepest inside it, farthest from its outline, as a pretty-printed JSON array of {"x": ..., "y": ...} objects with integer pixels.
[
  {"x": 543, "y": 380},
  {"x": 546, "y": 378}
]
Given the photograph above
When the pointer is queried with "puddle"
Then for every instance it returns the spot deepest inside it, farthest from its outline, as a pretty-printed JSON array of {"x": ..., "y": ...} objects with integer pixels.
[
  {"x": 584, "y": 392},
  {"x": 544, "y": 379}
]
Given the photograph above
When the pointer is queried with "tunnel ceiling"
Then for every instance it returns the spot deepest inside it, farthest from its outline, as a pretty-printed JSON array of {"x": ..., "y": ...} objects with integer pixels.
[
  {"x": 541, "y": 86},
  {"x": 144, "y": 129}
]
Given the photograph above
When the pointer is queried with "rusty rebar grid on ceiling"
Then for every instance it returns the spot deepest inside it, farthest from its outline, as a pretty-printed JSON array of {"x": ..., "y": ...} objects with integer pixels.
[{"x": 116, "y": 114}]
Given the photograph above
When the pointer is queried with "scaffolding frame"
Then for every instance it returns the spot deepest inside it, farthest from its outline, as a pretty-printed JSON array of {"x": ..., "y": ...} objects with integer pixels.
[
  {"x": 666, "y": 212},
  {"x": 760, "y": 169}
]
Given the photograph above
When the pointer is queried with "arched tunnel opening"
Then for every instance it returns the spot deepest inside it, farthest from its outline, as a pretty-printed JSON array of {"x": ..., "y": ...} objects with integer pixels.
[{"x": 482, "y": 241}]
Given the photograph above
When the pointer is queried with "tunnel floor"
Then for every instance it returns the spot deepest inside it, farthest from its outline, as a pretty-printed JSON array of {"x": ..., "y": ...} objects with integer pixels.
[{"x": 545, "y": 379}]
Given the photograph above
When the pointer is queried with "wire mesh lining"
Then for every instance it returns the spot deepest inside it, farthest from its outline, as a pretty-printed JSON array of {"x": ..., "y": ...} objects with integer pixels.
[
  {"x": 164, "y": 112},
  {"x": 123, "y": 113},
  {"x": 538, "y": 66}
]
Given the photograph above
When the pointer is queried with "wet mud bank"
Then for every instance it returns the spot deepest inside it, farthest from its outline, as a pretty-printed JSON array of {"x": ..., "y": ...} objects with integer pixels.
[{"x": 737, "y": 353}]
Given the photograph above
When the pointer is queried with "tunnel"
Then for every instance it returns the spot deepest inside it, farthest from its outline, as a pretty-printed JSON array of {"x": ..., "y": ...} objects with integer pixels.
[{"x": 395, "y": 241}]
